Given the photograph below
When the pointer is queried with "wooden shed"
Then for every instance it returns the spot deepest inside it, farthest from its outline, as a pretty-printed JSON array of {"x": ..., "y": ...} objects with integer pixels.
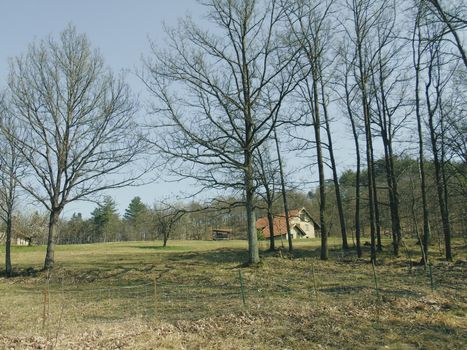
[{"x": 220, "y": 234}]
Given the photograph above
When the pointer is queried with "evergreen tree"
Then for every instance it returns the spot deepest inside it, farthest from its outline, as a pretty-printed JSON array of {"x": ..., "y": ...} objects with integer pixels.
[
  {"x": 135, "y": 209},
  {"x": 105, "y": 220}
]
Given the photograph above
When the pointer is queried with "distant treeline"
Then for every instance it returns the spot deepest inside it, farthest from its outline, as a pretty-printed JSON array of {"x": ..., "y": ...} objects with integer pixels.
[{"x": 195, "y": 220}]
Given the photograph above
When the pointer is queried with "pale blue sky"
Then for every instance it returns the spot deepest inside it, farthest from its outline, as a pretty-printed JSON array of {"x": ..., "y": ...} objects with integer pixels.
[{"x": 120, "y": 29}]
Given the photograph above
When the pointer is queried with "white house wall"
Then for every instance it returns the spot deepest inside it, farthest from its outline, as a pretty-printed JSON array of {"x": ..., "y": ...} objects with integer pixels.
[{"x": 305, "y": 225}]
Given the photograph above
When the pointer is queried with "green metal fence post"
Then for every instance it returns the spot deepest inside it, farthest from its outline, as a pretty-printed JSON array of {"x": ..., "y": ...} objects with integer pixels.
[
  {"x": 375, "y": 280},
  {"x": 314, "y": 280},
  {"x": 431, "y": 278},
  {"x": 242, "y": 288}
]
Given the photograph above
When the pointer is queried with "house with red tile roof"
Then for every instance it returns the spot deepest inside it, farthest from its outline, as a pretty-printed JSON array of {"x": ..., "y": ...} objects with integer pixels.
[{"x": 301, "y": 223}]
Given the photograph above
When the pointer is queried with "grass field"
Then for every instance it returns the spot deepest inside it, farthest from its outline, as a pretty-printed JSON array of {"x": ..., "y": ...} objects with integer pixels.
[{"x": 137, "y": 295}]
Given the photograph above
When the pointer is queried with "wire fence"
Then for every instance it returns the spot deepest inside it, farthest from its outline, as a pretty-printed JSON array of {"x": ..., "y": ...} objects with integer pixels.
[{"x": 56, "y": 304}]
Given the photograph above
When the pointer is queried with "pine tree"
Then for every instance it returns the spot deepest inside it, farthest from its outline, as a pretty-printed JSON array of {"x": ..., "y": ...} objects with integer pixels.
[{"x": 135, "y": 209}]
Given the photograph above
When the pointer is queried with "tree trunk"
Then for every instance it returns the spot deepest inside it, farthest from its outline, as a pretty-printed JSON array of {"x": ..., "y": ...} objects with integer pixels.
[
  {"x": 379, "y": 245},
  {"x": 253, "y": 251},
  {"x": 319, "y": 155},
  {"x": 53, "y": 225},
  {"x": 386, "y": 137},
  {"x": 8, "y": 268},
  {"x": 421, "y": 156},
  {"x": 362, "y": 80},
  {"x": 438, "y": 165},
  {"x": 284, "y": 193},
  {"x": 358, "y": 171},
  {"x": 272, "y": 242},
  {"x": 371, "y": 198},
  {"x": 340, "y": 208},
  {"x": 442, "y": 206}
]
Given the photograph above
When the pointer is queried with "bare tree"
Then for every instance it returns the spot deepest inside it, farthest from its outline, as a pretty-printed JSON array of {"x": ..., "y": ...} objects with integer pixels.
[
  {"x": 335, "y": 178},
  {"x": 165, "y": 218},
  {"x": 11, "y": 168},
  {"x": 348, "y": 102},
  {"x": 361, "y": 32},
  {"x": 389, "y": 95},
  {"x": 434, "y": 88},
  {"x": 310, "y": 27},
  {"x": 218, "y": 93},
  {"x": 76, "y": 122},
  {"x": 417, "y": 53},
  {"x": 283, "y": 190}
]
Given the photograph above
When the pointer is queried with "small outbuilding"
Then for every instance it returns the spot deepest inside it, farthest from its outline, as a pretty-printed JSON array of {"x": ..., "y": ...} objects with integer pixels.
[{"x": 221, "y": 234}]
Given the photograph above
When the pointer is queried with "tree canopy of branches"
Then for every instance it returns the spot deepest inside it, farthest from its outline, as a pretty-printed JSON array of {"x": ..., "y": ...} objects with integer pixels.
[
  {"x": 76, "y": 124},
  {"x": 218, "y": 95},
  {"x": 11, "y": 167}
]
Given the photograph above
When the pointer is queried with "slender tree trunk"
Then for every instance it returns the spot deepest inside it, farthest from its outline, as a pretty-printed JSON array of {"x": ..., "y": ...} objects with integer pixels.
[
  {"x": 358, "y": 170},
  {"x": 442, "y": 200},
  {"x": 438, "y": 165},
  {"x": 369, "y": 152},
  {"x": 362, "y": 81},
  {"x": 392, "y": 204},
  {"x": 269, "y": 200},
  {"x": 444, "y": 181},
  {"x": 421, "y": 156},
  {"x": 8, "y": 267},
  {"x": 335, "y": 178},
  {"x": 370, "y": 179},
  {"x": 53, "y": 225},
  {"x": 395, "y": 192},
  {"x": 284, "y": 193},
  {"x": 379, "y": 245},
  {"x": 319, "y": 155},
  {"x": 272, "y": 241},
  {"x": 253, "y": 251},
  {"x": 386, "y": 130}
]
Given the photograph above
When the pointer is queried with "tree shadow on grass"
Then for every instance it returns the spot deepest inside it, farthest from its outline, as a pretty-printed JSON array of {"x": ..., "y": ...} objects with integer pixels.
[
  {"x": 217, "y": 256},
  {"x": 161, "y": 248}
]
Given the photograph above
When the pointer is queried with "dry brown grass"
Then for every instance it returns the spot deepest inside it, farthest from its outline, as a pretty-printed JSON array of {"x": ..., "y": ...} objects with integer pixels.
[{"x": 198, "y": 303}]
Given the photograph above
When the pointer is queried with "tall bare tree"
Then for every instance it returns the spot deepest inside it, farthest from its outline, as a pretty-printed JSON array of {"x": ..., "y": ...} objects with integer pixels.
[
  {"x": 11, "y": 168},
  {"x": 309, "y": 23},
  {"x": 285, "y": 201},
  {"x": 417, "y": 54},
  {"x": 389, "y": 94},
  {"x": 434, "y": 89},
  {"x": 217, "y": 94},
  {"x": 435, "y": 69},
  {"x": 364, "y": 17},
  {"x": 77, "y": 131}
]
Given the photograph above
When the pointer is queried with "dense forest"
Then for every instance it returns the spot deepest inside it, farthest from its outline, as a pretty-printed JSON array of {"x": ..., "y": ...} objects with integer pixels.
[{"x": 236, "y": 99}]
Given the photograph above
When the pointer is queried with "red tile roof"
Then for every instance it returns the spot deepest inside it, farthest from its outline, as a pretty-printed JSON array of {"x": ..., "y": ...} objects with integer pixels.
[{"x": 279, "y": 225}]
